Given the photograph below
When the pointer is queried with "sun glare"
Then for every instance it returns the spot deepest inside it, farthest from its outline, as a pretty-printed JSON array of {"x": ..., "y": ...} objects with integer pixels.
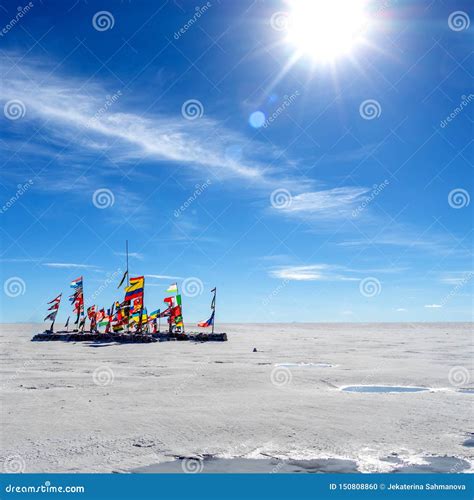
[{"x": 326, "y": 29}]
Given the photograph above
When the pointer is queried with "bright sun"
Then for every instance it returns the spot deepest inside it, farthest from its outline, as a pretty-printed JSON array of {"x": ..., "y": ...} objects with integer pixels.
[{"x": 326, "y": 29}]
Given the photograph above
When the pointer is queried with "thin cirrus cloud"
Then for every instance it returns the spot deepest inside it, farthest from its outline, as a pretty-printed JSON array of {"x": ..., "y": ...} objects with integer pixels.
[
  {"x": 68, "y": 265},
  {"x": 433, "y": 306},
  {"x": 313, "y": 272},
  {"x": 72, "y": 110},
  {"x": 325, "y": 204}
]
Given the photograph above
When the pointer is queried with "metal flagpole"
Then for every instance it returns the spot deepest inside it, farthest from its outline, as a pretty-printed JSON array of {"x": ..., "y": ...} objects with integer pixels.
[{"x": 214, "y": 309}]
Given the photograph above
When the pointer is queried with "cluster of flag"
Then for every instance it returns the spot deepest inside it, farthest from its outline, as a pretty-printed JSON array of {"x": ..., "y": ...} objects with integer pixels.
[
  {"x": 174, "y": 309},
  {"x": 53, "y": 307},
  {"x": 77, "y": 299}
]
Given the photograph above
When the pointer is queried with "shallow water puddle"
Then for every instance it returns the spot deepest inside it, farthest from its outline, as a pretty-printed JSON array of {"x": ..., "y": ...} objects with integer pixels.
[
  {"x": 382, "y": 388},
  {"x": 305, "y": 365},
  {"x": 213, "y": 465}
]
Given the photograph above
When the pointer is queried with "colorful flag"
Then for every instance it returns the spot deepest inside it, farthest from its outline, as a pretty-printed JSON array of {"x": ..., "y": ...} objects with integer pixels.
[
  {"x": 56, "y": 300},
  {"x": 76, "y": 283},
  {"x": 91, "y": 312},
  {"x": 209, "y": 322},
  {"x": 172, "y": 288},
  {"x": 51, "y": 316},
  {"x": 169, "y": 301},
  {"x": 67, "y": 322},
  {"x": 213, "y": 303},
  {"x": 125, "y": 274},
  {"x": 135, "y": 290}
]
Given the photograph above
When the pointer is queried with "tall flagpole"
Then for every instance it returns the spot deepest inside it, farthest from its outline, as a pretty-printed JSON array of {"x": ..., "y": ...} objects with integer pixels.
[
  {"x": 128, "y": 284},
  {"x": 214, "y": 310}
]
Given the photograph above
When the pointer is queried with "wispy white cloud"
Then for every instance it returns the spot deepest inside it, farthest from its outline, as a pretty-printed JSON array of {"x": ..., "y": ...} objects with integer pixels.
[
  {"x": 133, "y": 255},
  {"x": 68, "y": 265},
  {"x": 326, "y": 204},
  {"x": 163, "y": 277},
  {"x": 433, "y": 306},
  {"x": 314, "y": 272}
]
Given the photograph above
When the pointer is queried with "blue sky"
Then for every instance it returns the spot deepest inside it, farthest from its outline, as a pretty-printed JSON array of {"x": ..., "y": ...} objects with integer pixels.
[{"x": 350, "y": 203}]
